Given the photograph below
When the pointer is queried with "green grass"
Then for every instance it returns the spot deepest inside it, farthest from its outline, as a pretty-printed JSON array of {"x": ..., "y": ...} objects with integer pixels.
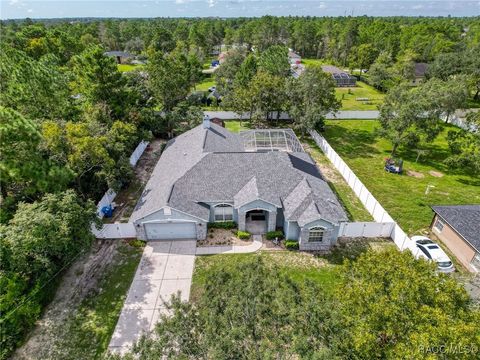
[
  {"x": 128, "y": 67},
  {"x": 349, "y": 96},
  {"x": 351, "y": 203},
  {"x": 236, "y": 125},
  {"x": 403, "y": 196},
  {"x": 205, "y": 84},
  {"x": 88, "y": 333},
  {"x": 313, "y": 62},
  {"x": 298, "y": 266}
]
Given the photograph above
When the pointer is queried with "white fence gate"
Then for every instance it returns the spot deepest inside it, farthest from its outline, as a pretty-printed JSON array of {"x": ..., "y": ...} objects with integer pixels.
[
  {"x": 366, "y": 229},
  {"x": 380, "y": 215},
  {"x": 115, "y": 231}
]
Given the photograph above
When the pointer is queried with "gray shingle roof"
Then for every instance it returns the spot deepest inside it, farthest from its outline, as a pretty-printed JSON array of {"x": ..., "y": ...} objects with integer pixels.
[
  {"x": 247, "y": 193},
  {"x": 464, "y": 219},
  {"x": 210, "y": 165},
  {"x": 179, "y": 156}
]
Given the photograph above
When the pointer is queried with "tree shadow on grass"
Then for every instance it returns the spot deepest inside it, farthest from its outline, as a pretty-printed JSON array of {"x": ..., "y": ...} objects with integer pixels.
[
  {"x": 348, "y": 251},
  {"x": 470, "y": 182},
  {"x": 351, "y": 143}
]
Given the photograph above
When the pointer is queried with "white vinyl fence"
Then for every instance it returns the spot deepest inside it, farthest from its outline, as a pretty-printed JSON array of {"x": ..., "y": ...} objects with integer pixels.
[
  {"x": 366, "y": 229},
  {"x": 380, "y": 215},
  {"x": 110, "y": 194},
  {"x": 138, "y": 152},
  {"x": 115, "y": 231}
]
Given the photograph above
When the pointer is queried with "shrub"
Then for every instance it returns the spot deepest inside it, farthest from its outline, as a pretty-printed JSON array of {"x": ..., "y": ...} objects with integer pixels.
[
  {"x": 223, "y": 225},
  {"x": 274, "y": 234},
  {"x": 243, "y": 235},
  {"x": 291, "y": 245}
]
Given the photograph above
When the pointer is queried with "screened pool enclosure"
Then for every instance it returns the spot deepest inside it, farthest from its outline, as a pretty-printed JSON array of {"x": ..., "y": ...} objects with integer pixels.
[{"x": 271, "y": 140}]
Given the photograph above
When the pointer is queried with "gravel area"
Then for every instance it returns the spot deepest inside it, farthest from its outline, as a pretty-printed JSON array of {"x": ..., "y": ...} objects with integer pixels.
[{"x": 216, "y": 237}]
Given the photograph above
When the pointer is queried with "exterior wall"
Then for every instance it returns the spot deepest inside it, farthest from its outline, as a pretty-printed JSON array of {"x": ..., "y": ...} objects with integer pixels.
[
  {"x": 459, "y": 247},
  {"x": 160, "y": 216},
  {"x": 329, "y": 240},
  {"x": 212, "y": 214},
  {"x": 292, "y": 230},
  {"x": 258, "y": 205}
]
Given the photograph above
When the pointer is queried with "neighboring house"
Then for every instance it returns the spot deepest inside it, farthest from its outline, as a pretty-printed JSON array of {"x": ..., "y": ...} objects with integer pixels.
[
  {"x": 458, "y": 227},
  {"x": 218, "y": 121},
  {"x": 341, "y": 78},
  {"x": 260, "y": 179},
  {"x": 420, "y": 72},
  {"x": 121, "y": 57},
  {"x": 294, "y": 58}
]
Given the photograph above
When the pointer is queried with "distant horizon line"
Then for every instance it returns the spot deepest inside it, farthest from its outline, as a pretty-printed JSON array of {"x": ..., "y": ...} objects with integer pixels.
[{"x": 232, "y": 17}]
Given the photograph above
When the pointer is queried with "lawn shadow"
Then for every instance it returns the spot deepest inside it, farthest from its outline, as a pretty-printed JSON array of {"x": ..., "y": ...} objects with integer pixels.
[
  {"x": 351, "y": 143},
  {"x": 470, "y": 182},
  {"x": 347, "y": 251}
]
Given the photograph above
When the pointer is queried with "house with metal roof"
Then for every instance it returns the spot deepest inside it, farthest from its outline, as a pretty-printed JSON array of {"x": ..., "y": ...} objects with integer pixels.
[
  {"x": 458, "y": 227},
  {"x": 260, "y": 179}
]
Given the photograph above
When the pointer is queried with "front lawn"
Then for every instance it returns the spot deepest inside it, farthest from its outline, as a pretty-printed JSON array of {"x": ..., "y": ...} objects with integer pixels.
[
  {"x": 361, "y": 97},
  {"x": 298, "y": 266},
  {"x": 403, "y": 196}
]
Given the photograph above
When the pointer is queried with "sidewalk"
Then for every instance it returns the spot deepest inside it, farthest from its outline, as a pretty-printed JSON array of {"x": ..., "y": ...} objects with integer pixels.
[{"x": 232, "y": 249}]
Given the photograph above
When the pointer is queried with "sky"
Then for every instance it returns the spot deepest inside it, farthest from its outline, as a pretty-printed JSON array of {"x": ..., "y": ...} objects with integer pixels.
[{"x": 17, "y": 9}]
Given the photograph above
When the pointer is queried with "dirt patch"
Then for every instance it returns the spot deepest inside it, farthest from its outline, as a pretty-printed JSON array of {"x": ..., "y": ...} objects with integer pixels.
[
  {"x": 217, "y": 237},
  {"x": 415, "y": 174},
  {"x": 436, "y": 173},
  {"x": 77, "y": 283}
]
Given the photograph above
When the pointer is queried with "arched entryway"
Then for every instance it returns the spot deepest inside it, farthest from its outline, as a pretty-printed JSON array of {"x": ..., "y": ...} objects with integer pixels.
[{"x": 256, "y": 221}]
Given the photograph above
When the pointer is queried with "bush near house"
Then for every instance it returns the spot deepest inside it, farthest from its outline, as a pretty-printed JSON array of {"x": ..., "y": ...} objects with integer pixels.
[
  {"x": 244, "y": 235},
  {"x": 291, "y": 245},
  {"x": 271, "y": 235},
  {"x": 223, "y": 225}
]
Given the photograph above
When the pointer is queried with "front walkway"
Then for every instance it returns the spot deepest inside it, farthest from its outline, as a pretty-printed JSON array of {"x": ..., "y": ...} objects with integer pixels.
[
  {"x": 165, "y": 269},
  {"x": 232, "y": 249}
]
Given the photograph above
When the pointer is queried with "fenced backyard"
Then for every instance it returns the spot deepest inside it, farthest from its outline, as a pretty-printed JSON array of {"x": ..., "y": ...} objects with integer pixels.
[{"x": 381, "y": 216}]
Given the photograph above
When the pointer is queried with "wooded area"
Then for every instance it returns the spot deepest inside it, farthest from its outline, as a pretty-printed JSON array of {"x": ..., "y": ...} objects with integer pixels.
[{"x": 69, "y": 118}]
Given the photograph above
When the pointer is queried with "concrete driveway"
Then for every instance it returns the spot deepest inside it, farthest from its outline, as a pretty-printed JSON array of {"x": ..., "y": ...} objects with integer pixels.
[{"x": 166, "y": 268}]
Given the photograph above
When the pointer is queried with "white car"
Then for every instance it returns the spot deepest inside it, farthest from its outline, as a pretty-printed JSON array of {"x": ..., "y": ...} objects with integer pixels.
[{"x": 431, "y": 251}]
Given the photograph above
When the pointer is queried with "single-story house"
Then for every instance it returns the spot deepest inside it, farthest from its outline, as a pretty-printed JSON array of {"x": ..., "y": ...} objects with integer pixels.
[
  {"x": 420, "y": 72},
  {"x": 458, "y": 227},
  {"x": 121, "y": 57},
  {"x": 209, "y": 174},
  {"x": 341, "y": 78}
]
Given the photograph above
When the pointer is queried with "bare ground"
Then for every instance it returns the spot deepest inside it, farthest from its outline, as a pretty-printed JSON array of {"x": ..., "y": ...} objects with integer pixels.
[
  {"x": 85, "y": 273},
  {"x": 77, "y": 283}
]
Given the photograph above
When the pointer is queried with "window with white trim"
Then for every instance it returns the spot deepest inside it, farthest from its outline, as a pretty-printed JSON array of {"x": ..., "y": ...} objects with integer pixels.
[
  {"x": 316, "y": 234},
  {"x": 223, "y": 212},
  {"x": 438, "y": 224}
]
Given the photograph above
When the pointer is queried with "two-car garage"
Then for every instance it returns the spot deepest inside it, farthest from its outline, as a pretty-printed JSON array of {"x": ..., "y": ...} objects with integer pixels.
[{"x": 170, "y": 230}]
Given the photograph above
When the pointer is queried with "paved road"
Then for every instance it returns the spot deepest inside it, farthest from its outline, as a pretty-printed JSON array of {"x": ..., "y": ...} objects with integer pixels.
[
  {"x": 166, "y": 268},
  {"x": 343, "y": 114}
]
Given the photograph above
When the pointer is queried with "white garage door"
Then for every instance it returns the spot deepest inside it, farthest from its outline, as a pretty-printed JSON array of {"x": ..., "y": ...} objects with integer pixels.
[{"x": 181, "y": 230}]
